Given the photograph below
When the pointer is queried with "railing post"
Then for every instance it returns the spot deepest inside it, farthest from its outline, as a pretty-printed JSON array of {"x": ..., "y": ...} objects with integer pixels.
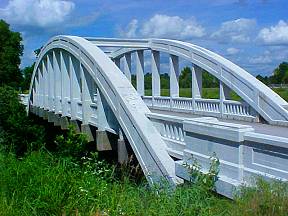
[
  {"x": 140, "y": 71},
  {"x": 224, "y": 93},
  {"x": 222, "y": 98},
  {"x": 174, "y": 75}
]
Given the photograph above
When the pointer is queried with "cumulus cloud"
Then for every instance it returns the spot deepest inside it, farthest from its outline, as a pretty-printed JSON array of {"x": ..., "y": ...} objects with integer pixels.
[
  {"x": 275, "y": 35},
  {"x": 237, "y": 31},
  {"x": 164, "y": 26},
  {"x": 232, "y": 51},
  {"x": 37, "y": 13},
  {"x": 130, "y": 30}
]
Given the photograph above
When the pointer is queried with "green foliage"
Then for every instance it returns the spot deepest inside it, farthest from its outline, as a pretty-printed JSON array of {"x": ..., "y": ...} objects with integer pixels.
[
  {"x": 209, "y": 81},
  {"x": 279, "y": 76},
  {"x": 72, "y": 145},
  {"x": 265, "y": 198},
  {"x": 11, "y": 50},
  {"x": 185, "y": 78},
  {"x": 42, "y": 184},
  {"x": 17, "y": 132},
  {"x": 76, "y": 147},
  {"x": 203, "y": 180},
  {"x": 27, "y": 74}
]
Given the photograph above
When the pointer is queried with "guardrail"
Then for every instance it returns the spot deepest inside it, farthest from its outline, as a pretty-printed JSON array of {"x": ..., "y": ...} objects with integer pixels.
[{"x": 200, "y": 106}]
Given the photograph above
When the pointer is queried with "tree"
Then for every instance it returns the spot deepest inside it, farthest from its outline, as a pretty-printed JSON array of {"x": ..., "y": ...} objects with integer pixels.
[
  {"x": 11, "y": 50},
  {"x": 27, "y": 74},
  {"x": 280, "y": 74},
  {"x": 185, "y": 78},
  {"x": 18, "y": 133}
]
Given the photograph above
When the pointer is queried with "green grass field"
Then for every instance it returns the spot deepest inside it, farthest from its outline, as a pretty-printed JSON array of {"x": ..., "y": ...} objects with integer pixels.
[{"x": 213, "y": 93}]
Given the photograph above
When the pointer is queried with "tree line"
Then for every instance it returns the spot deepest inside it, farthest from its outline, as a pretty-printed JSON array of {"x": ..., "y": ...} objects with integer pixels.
[
  {"x": 185, "y": 80},
  {"x": 279, "y": 76}
]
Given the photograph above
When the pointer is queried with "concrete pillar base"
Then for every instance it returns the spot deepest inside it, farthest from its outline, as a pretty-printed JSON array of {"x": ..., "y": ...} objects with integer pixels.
[
  {"x": 45, "y": 114},
  {"x": 88, "y": 130},
  {"x": 122, "y": 151},
  {"x": 76, "y": 125},
  {"x": 103, "y": 141},
  {"x": 51, "y": 117},
  {"x": 40, "y": 112},
  {"x": 57, "y": 120},
  {"x": 64, "y": 122}
]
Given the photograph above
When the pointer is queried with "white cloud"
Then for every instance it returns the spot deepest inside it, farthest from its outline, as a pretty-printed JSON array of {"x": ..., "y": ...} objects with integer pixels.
[
  {"x": 232, "y": 51},
  {"x": 165, "y": 26},
  {"x": 130, "y": 30},
  {"x": 264, "y": 59},
  {"x": 275, "y": 35},
  {"x": 238, "y": 30},
  {"x": 37, "y": 13}
]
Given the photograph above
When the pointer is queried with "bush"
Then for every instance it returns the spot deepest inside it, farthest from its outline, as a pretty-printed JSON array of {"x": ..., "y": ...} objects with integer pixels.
[{"x": 18, "y": 133}]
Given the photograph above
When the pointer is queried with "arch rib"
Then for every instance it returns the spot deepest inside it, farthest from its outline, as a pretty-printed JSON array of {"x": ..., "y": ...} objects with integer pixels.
[
  {"x": 259, "y": 96},
  {"x": 125, "y": 103}
]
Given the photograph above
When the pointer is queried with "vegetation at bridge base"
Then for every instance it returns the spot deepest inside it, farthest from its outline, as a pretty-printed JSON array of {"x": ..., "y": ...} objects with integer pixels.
[{"x": 18, "y": 133}]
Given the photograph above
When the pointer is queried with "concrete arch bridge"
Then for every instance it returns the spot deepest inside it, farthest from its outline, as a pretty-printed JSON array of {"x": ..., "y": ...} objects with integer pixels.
[{"x": 87, "y": 81}]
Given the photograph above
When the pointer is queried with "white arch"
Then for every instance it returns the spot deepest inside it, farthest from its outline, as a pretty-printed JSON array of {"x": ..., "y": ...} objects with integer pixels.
[
  {"x": 125, "y": 103},
  {"x": 265, "y": 101}
]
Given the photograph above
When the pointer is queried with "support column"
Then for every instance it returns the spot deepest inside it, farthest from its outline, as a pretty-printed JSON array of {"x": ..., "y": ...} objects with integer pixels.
[
  {"x": 86, "y": 102},
  {"x": 140, "y": 72},
  {"x": 41, "y": 90},
  {"x": 37, "y": 89},
  {"x": 51, "y": 82},
  {"x": 46, "y": 83},
  {"x": 196, "y": 81},
  {"x": 222, "y": 97},
  {"x": 75, "y": 93},
  {"x": 57, "y": 82},
  {"x": 65, "y": 83},
  {"x": 117, "y": 62},
  {"x": 174, "y": 75},
  {"x": 155, "y": 68},
  {"x": 127, "y": 65}
]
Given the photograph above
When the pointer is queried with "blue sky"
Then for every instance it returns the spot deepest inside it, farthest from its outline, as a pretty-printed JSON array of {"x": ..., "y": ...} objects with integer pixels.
[{"x": 250, "y": 33}]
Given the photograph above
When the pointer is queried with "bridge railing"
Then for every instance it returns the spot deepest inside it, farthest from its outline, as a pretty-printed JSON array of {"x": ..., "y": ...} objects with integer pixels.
[
  {"x": 200, "y": 106},
  {"x": 242, "y": 152}
]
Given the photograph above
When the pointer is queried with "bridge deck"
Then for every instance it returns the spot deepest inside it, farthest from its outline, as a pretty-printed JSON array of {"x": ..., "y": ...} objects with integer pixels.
[{"x": 258, "y": 127}]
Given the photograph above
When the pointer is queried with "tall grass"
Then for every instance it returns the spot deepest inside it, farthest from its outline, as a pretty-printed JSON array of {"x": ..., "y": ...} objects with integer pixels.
[{"x": 42, "y": 184}]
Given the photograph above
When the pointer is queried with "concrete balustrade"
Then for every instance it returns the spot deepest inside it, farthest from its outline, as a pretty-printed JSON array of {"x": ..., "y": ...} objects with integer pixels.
[
  {"x": 244, "y": 154},
  {"x": 206, "y": 107}
]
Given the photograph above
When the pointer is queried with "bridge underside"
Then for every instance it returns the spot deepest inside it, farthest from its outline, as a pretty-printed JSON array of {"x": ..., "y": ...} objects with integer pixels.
[{"x": 75, "y": 82}]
